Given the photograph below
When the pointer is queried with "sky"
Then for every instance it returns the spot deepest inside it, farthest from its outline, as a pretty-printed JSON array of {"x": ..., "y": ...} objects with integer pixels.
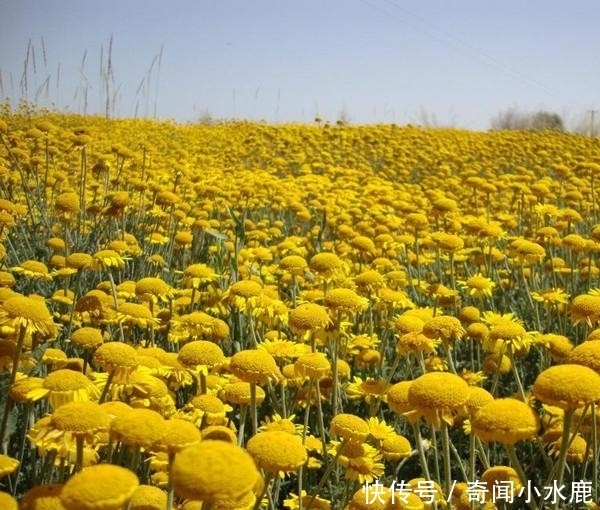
[{"x": 436, "y": 62}]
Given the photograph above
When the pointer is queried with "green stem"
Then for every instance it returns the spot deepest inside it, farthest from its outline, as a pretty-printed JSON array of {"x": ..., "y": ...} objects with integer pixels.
[
  {"x": 446, "y": 456},
  {"x": 253, "y": 409},
  {"x": 512, "y": 455},
  {"x": 170, "y": 491},
  {"x": 326, "y": 474},
  {"x": 421, "y": 450},
  {"x": 8, "y": 403},
  {"x": 79, "y": 453},
  {"x": 111, "y": 374}
]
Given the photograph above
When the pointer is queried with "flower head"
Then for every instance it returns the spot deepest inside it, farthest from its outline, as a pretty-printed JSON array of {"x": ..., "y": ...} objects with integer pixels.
[
  {"x": 567, "y": 386},
  {"x": 100, "y": 487},
  {"x": 213, "y": 471},
  {"x": 505, "y": 421},
  {"x": 437, "y": 396},
  {"x": 277, "y": 451},
  {"x": 254, "y": 365}
]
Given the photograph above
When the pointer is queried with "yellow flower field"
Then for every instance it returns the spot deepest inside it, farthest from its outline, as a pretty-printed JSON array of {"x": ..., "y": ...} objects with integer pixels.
[{"x": 254, "y": 316}]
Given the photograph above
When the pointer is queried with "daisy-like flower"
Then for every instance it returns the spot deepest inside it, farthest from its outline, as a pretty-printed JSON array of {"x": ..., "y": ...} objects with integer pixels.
[
  {"x": 43, "y": 497},
  {"x": 293, "y": 501},
  {"x": 444, "y": 327},
  {"x": 197, "y": 275},
  {"x": 33, "y": 269},
  {"x": 66, "y": 385},
  {"x": 370, "y": 389},
  {"x": 176, "y": 435},
  {"x": 345, "y": 301},
  {"x": 438, "y": 396},
  {"x": 282, "y": 349},
  {"x": 116, "y": 358},
  {"x": 153, "y": 289},
  {"x": 239, "y": 393},
  {"x": 349, "y": 427},
  {"x": 28, "y": 313},
  {"x": 567, "y": 386},
  {"x": 505, "y": 421},
  {"x": 277, "y": 452},
  {"x": 314, "y": 366},
  {"x": 214, "y": 471},
  {"x": 585, "y": 308},
  {"x": 277, "y": 422},
  {"x": 107, "y": 259},
  {"x": 148, "y": 497},
  {"x": 326, "y": 264},
  {"x": 135, "y": 314},
  {"x": 551, "y": 298},
  {"x": 361, "y": 461},
  {"x": 7, "y": 502},
  {"x": 104, "y": 486},
  {"x": 308, "y": 317},
  {"x": 240, "y": 293},
  {"x": 8, "y": 465},
  {"x": 478, "y": 286},
  {"x": 138, "y": 428},
  {"x": 254, "y": 366}
]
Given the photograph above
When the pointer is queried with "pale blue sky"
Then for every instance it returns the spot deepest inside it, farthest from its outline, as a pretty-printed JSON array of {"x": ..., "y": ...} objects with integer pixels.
[{"x": 453, "y": 61}]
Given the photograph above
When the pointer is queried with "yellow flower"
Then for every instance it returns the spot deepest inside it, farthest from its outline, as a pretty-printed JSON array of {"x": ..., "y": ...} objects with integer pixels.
[
  {"x": 254, "y": 365},
  {"x": 135, "y": 314},
  {"x": 196, "y": 275},
  {"x": 293, "y": 502},
  {"x": 65, "y": 385},
  {"x": 295, "y": 264},
  {"x": 438, "y": 396},
  {"x": 361, "y": 461},
  {"x": 443, "y": 327},
  {"x": 308, "y": 317},
  {"x": 100, "y": 487},
  {"x": 349, "y": 427},
  {"x": 82, "y": 418},
  {"x": 397, "y": 397},
  {"x": 87, "y": 337},
  {"x": 176, "y": 435},
  {"x": 345, "y": 301},
  {"x": 29, "y": 313},
  {"x": 282, "y": 349},
  {"x": 369, "y": 390},
  {"x": 239, "y": 393},
  {"x": 277, "y": 452},
  {"x": 107, "y": 259},
  {"x": 478, "y": 286},
  {"x": 198, "y": 353},
  {"x": 8, "y": 465},
  {"x": 148, "y": 497},
  {"x": 505, "y": 421},
  {"x": 586, "y": 354},
  {"x": 325, "y": 264},
  {"x": 116, "y": 357},
  {"x": 153, "y": 289},
  {"x": 33, "y": 269},
  {"x": 138, "y": 428},
  {"x": 213, "y": 471},
  {"x": 7, "y": 502},
  {"x": 497, "y": 476},
  {"x": 585, "y": 308},
  {"x": 567, "y": 386},
  {"x": 314, "y": 365},
  {"x": 281, "y": 424},
  {"x": 43, "y": 497}
]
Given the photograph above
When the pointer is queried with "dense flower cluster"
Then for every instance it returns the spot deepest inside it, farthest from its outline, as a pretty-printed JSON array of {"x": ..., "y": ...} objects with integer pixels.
[{"x": 247, "y": 316}]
